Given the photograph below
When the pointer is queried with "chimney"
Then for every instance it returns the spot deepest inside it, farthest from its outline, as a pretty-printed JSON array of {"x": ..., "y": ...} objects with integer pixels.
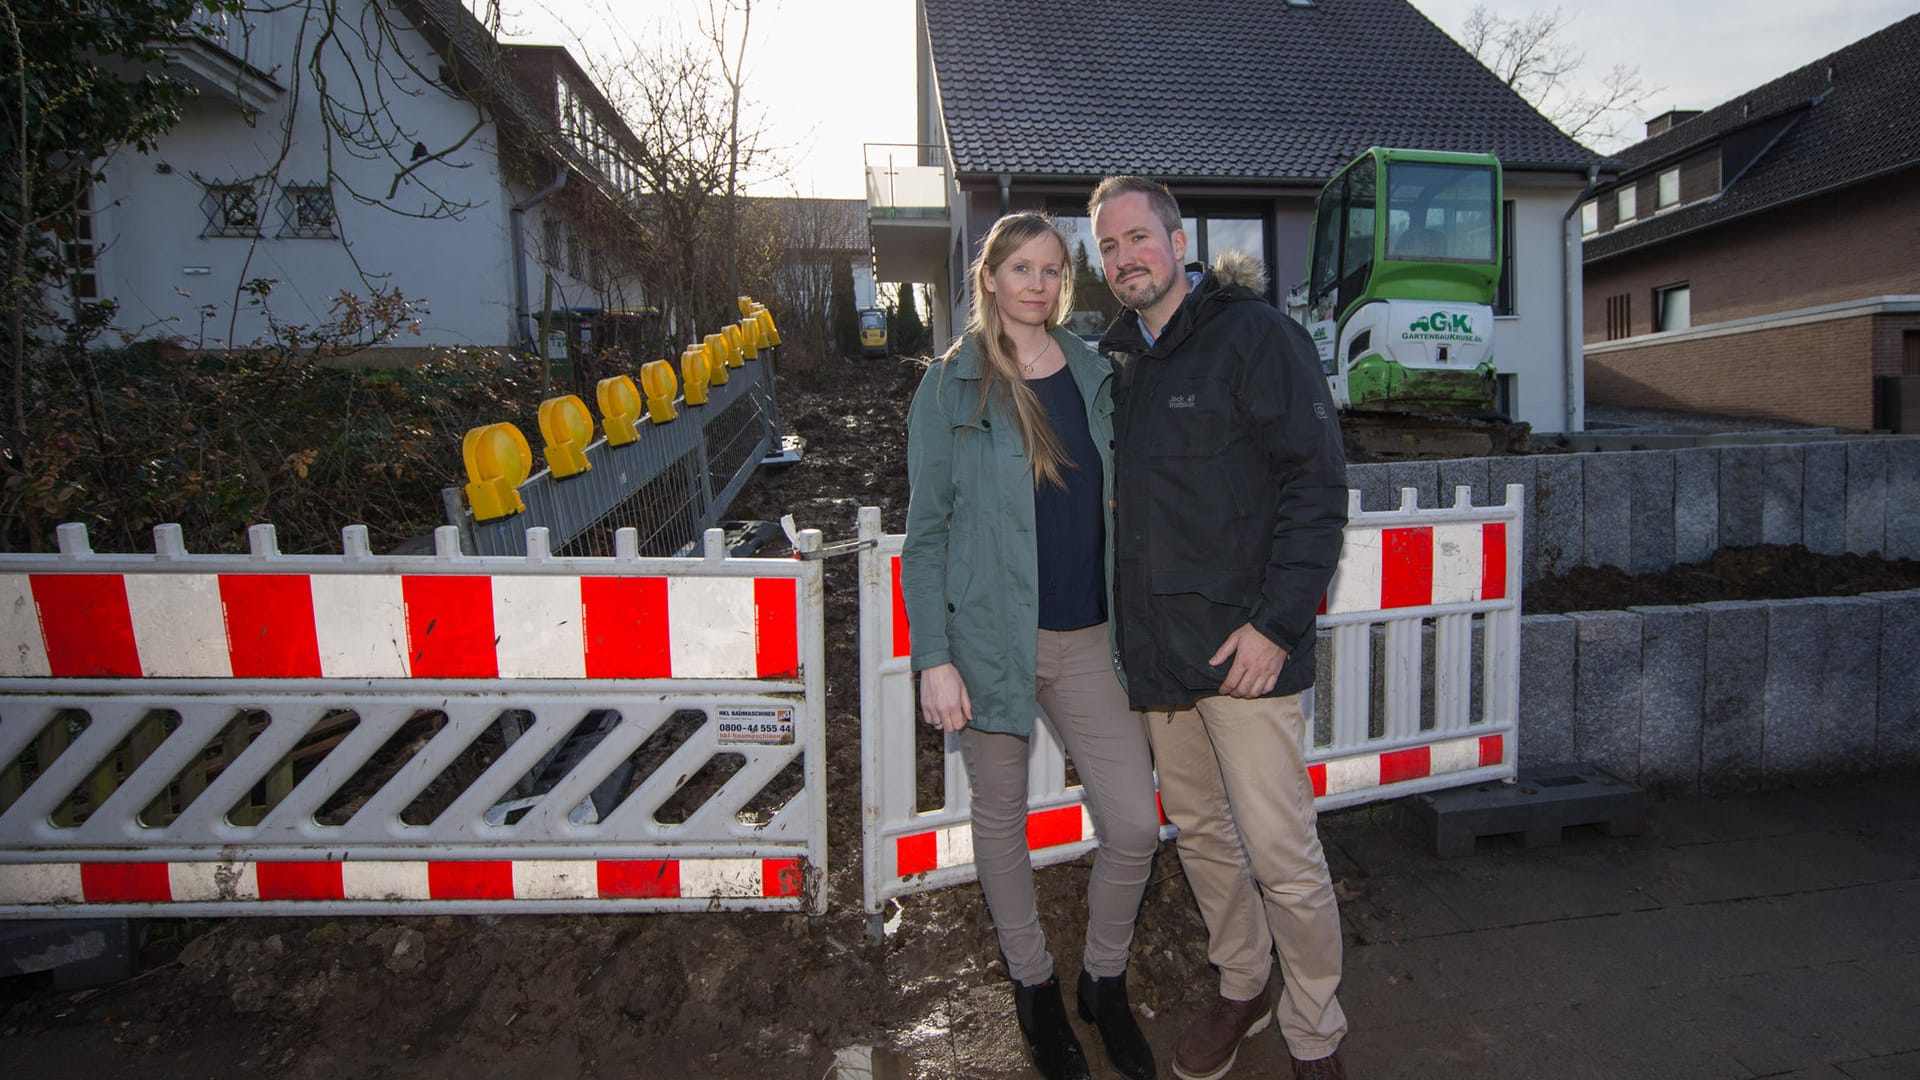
[{"x": 1669, "y": 120}]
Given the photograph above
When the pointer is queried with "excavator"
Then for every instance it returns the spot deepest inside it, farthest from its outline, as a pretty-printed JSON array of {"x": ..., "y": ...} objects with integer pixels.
[{"x": 1405, "y": 261}]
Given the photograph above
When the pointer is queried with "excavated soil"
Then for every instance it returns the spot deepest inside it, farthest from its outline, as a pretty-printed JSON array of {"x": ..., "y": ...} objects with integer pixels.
[{"x": 694, "y": 995}]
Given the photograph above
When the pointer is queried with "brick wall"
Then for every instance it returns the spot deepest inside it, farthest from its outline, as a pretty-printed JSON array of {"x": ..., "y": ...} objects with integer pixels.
[
  {"x": 1851, "y": 244},
  {"x": 1814, "y": 373}
]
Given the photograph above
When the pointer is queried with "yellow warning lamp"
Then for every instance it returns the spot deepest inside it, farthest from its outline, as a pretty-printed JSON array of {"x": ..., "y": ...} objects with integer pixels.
[
  {"x": 766, "y": 321},
  {"x": 567, "y": 428},
  {"x": 498, "y": 461},
  {"x": 746, "y": 304},
  {"x": 662, "y": 386},
  {"x": 619, "y": 409},
  {"x": 719, "y": 358},
  {"x": 693, "y": 371},
  {"x": 736, "y": 352},
  {"x": 750, "y": 344}
]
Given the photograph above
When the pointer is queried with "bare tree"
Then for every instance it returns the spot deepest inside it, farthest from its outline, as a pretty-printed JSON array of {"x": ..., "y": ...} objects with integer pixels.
[
  {"x": 1533, "y": 56},
  {"x": 733, "y": 75}
]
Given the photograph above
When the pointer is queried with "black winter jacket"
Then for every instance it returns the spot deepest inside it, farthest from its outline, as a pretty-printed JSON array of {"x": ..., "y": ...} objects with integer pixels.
[{"x": 1230, "y": 489}]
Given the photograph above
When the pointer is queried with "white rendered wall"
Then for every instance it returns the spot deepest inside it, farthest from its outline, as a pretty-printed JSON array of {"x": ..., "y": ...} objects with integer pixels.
[
  {"x": 160, "y": 268},
  {"x": 1533, "y": 341}
]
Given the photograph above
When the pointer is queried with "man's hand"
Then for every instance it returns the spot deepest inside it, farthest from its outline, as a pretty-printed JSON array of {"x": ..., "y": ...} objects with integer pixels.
[
  {"x": 1256, "y": 663},
  {"x": 944, "y": 704}
]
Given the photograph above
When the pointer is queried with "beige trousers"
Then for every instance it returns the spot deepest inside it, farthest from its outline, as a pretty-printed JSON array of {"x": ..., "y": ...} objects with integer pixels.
[
  {"x": 1082, "y": 701},
  {"x": 1233, "y": 778}
]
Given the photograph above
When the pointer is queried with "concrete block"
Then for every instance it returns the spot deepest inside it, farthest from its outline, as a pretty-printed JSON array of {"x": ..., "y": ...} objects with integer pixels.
[
  {"x": 1519, "y": 470},
  {"x": 1696, "y": 504},
  {"x": 1606, "y": 483},
  {"x": 1784, "y": 473},
  {"x": 1470, "y": 473},
  {"x": 1606, "y": 712},
  {"x": 1823, "y": 498},
  {"x": 1791, "y": 722},
  {"x": 1653, "y": 511},
  {"x": 1897, "y": 738},
  {"x": 1561, "y": 509},
  {"x": 1546, "y": 689},
  {"x": 1903, "y": 498},
  {"x": 1322, "y": 688},
  {"x": 1850, "y": 683},
  {"x": 1742, "y": 480},
  {"x": 1371, "y": 482},
  {"x": 1733, "y": 702},
  {"x": 1672, "y": 689},
  {"x": 1422, "y": 476},
  {"x": 1866, "y": 496}
]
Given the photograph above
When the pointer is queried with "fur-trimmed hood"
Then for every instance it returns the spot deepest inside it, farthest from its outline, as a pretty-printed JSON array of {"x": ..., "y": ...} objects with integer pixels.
[{"x": 1242, "y": 269}]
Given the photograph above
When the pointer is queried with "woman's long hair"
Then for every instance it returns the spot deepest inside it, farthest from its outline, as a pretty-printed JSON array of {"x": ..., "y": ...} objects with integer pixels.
[{"x": 999, "y": 368}]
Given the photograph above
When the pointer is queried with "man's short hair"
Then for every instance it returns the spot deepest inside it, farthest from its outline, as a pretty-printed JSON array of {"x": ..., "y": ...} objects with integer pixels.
[{"x": 1165, "y": 207}]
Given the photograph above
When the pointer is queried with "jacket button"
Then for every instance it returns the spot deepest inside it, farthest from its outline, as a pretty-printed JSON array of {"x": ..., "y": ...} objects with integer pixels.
[
  {"x": 950, "y": 609},
  {"x": 987, "y": 424}
]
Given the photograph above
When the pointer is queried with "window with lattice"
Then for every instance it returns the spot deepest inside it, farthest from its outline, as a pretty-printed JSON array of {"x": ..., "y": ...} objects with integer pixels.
[
  {"x": 306, "y": 210},
  {"x": 232, "y": 209}
]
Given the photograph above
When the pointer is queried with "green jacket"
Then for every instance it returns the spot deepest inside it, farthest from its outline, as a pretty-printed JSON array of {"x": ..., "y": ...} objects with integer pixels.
[{"x": 969, "y": 571}]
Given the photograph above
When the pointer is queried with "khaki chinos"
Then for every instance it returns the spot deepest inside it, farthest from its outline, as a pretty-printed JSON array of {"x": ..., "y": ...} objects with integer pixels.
[{"x": 1233, "y": 779}]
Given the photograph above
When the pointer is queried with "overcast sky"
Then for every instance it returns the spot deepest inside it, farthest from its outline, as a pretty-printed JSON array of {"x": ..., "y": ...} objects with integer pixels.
[{"x": 834, "y": 74}]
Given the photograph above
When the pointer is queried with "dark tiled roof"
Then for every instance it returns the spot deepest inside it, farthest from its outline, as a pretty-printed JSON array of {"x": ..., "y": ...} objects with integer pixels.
[
  {"x": 1216, "y": 89},
  {"x": 1862, "y": 123}
]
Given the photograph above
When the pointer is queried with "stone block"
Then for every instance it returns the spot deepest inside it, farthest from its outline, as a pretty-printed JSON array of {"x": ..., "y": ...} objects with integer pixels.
[
  {"x": 1903, "y": 498},
  {"x": 1653, "y": 511},
  {"x": 1897, "y": 738},
  {"x": 1606, "y": 483},
  {"x": 1606, "y": 712},
  {"x": 1866, "y": 496},
  {"x": 1422, "y": 476},
  {"x": 1783, "y": 474},
  {"x": 1470, "y": 473},
  {"x": 1823, "y": 498},
  {"x": 1672, "y": 689},
  {"x": 1742, "y": 480},
  {"x": 1791, "y": 721},
  {"x": 1371, "y": 482},
  {"x": 1561, "y": 510},
  {"x": 1732, "y": 699},
  {"x": 1519, "y": 470},
  {"x": 1546, "y": 689},
  {"x": 1850, "y": 683},
  {"x": 1696, "y": 504}
]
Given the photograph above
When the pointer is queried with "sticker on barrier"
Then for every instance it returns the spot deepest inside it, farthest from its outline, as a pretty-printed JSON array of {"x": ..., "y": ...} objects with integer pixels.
[
  {"x": 285, "y": 734},
  {"x": 1417, "y": 689}
]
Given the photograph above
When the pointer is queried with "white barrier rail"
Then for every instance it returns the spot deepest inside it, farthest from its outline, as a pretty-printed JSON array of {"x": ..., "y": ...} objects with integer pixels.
[
  {"x": 1418, "y": 689},
  {"x": 272, "y": 734}
]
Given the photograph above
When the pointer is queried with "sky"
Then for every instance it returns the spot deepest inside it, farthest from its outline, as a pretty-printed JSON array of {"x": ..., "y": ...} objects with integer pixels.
[{"x": 832, "y": 75}]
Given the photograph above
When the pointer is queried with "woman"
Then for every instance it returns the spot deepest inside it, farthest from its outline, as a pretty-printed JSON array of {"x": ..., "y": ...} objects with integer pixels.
[{"x": 1005, "y": 574}]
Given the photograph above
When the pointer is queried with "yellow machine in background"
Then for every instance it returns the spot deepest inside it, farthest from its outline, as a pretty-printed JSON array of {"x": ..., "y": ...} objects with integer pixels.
[{"x": 873, "y": 332}]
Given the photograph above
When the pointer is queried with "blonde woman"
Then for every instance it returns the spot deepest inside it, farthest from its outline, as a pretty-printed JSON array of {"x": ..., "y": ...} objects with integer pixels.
[{"x": 1006, "y": 574}]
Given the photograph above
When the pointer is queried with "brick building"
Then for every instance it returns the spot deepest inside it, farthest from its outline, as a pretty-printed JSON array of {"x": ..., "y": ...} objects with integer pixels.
[{"x": 1763, "y": 258}]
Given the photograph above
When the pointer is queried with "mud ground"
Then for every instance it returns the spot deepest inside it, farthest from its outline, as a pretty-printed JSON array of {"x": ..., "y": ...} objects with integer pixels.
[{"x": 693, "y": 995}]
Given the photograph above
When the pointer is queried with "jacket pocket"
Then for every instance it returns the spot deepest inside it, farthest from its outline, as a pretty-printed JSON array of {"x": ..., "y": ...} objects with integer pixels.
[{"x": 1235, "y": 586}]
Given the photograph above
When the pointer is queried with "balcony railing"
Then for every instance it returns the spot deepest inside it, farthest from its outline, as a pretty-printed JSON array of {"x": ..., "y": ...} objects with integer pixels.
[{"x": 906, "y": 180}]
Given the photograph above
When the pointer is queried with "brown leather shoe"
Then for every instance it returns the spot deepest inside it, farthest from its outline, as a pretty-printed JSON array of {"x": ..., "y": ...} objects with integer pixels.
[
  {"x": 1207, "y": 1048},
  {"x": 1326, "y": 1068}
]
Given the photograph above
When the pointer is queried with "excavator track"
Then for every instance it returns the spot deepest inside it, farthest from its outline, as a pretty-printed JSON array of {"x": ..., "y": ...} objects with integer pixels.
[{"x": 1376, "y": 436}]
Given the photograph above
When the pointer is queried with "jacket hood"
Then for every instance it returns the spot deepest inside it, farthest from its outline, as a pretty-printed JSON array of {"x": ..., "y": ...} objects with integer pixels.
[{"x": 1242, "y": 269}]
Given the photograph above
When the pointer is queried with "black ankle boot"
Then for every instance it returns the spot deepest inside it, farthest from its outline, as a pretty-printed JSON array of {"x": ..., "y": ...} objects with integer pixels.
[
  {"x": 1043, "y": 1020},
  {"x": 1103, "y": 1003}
]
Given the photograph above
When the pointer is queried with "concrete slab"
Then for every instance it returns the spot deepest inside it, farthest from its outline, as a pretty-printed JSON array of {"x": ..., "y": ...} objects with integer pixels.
[
  {"x": 1606, "y": 483},
  {"x": 1519, "y": 470},
  {"x": 1547, "y": 689},
  {"x": 1606, "y": 712},
  {"x": 1560, "y": 509},
  {"x": 1850, "y": 683},
  {"x": 1696, "y": 504},
  {"x": 1734, "y": 703},
  {"x": 1672, "y": 695},
  {"x": 1742, "y": 483},
  {"x": 1422, "y": 476},
  {"x": 1470, "y": 473},
  {"x": 1823, "y": 503},
  {"x": 1903, "y": 498},
  {"x": 1653, "y": 511},
  {"x": 1897, "y": 726},
  {"x": 1796, "y": 655},
  {"x": 1866, "y": 496},
  {"x": 1370, "y": 481},
  {"x": 1781, "y": 496}
]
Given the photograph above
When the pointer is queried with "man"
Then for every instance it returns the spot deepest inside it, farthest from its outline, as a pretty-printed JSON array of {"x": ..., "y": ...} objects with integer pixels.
[{"x": 1231, "y": 502}]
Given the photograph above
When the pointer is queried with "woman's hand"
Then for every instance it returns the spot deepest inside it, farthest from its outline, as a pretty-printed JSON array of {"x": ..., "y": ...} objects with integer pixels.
[{"x": 943, "y": 698}]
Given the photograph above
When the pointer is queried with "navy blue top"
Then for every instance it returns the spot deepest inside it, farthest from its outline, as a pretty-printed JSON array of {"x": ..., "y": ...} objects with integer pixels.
[{"x": 1069, "y": 529}]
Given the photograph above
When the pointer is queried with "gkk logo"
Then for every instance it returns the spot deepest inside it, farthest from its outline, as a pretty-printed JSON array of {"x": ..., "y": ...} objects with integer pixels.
[
  {"x": 1441, "y": 322},
  {"x": 1180, "y": 401}
]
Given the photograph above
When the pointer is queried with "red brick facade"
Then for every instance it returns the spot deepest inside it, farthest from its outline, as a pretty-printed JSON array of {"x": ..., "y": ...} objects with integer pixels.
[{"x": 1858, "y": 243}]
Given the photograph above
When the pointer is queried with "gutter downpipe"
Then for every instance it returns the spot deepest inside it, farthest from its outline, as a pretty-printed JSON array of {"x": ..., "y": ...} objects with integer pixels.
[
  {"x": 515, "y": 217},
  {"x": 1574, "y": 301}
]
